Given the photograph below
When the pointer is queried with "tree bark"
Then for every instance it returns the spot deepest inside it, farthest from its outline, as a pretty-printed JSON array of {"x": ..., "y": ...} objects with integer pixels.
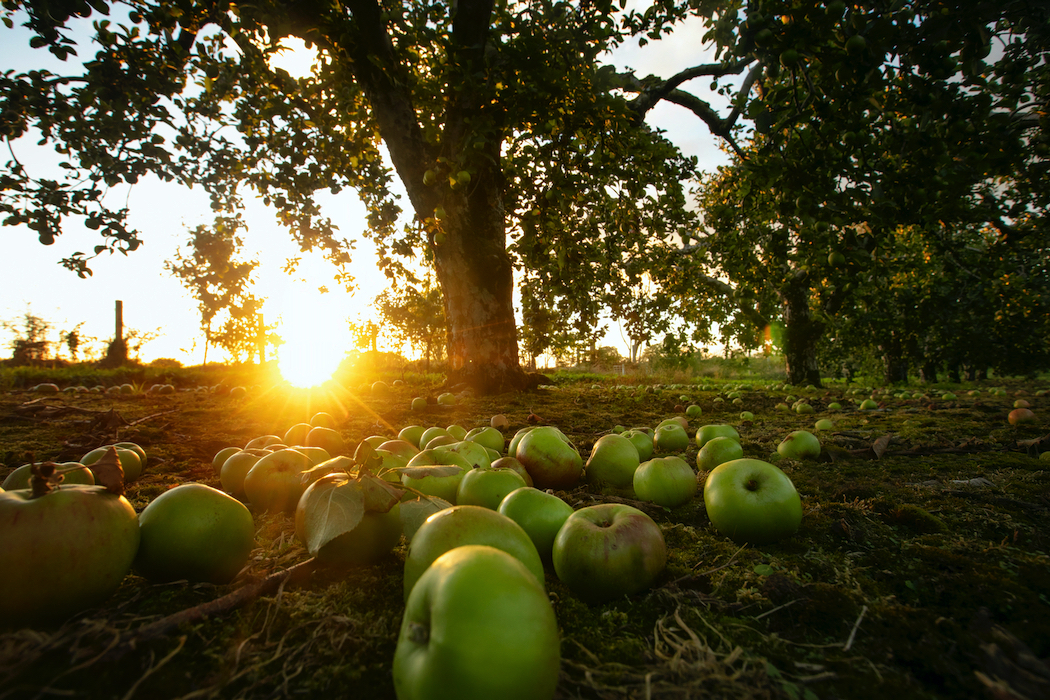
[{"x": 801, "y": 333}]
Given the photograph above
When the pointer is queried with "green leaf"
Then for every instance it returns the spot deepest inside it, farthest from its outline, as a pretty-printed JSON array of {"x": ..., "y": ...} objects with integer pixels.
[
  {"x": 763, "y": 569},
  {"x": 379, "y": 495},
  {"x": 332, "y": 506},
  {"x": 335, "y": 465}
]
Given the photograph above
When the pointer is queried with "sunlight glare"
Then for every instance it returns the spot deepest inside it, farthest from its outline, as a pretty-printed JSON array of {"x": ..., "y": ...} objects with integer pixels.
[
  {"x": 294, "y": 57},
  {"x": 316, "y": 336}
]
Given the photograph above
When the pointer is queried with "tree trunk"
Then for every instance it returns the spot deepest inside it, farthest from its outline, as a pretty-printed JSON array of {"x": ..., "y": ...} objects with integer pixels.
[
  {"x": 801, "y": 333},
  {"x": 477, "y": 284},
  {"x": 928, "y": 373},
  {"x": 894, "y": 365}
]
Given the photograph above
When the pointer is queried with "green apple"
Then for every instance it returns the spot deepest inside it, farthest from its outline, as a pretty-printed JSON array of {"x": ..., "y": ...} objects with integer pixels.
[
  {"x": 665, "y": 481},
  {"x": 461, "y": 525},
  {"x": 296, "y": 435},
  {"x": 613, "y": 461},
  {"x": 800, "y": 444},
  {"x": 322, "y": 419},
  {"x": 446, "y": 399},
  {"x": 20, "y": 477},
  {"x": 235, "y": 468},
  {"x": 416, "y": 509},
  {"x": 194, "y": 532},
  {"x": 717, "y": 451},
  {"x": 327, "y": 439},
  {"x": 274, "y": 483},
  {"x": 513, "y": 464},
  {"x": 63, "y": 552},
  {"x": 129, "y": 461},
  {"x": 551, "y": 460},
  {"x": 134, "y": 447},
  {"x": 487, "y": 487},
  {"x": 418, "y": 404},
  {"x": 477, "y": 627},
  {"x": 316, "y": 455},
  {"x": 693, "y": 411},
  {"x": 834, "y": 406},
  {"x": 435, "y": 456},
  {"x": 487, "y": 436},
  {"x": 458, "y": 432},
  {"x": 429, "y": 434},
  {"x": 751, "y": 501},
  {"x": 475, "y": 453},
  {"x": 709, "y": 432},
  {"x": 440, "y": 480},
  {"x": 868, "y": 405},
  {"x": 670, "y": 437},
  {"x": 540, "y": 514},
  {"x": 400, "y": 447},
  {"x": 642, "y": 441},
  {"x": 675, "y": 420},
  {"x": 411, "y": 434},
  {"x": 263, "y": 441},
  {"x": 747, "y": 416},
  {"x": 824, "y": 424},
  {"x": 607, "y": 551},
  {"x": 221, "y": 456}
]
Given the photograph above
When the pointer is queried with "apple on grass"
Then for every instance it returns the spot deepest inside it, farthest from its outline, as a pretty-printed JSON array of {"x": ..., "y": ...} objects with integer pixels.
[
  {"x": 800, "y": 444},
  {"x": 609, "y": 550},
  {"x": 429, "y": 434},
  {"x": 221, "y": 456},
  {"x": 194, "y": 532},
  {"x": 21, "y": 477},
  {"x": 296, "y": 435},
  {"x": 439, "y": 480},
  {"x": 326, "y": 438},
  {"x": 130, "y": 461},
  {"x": 707, "y": 433},
  {"x": 487, "y": 487},
  {"x": 751, "y": 501},
  {"x": 477, "y": 626},
  {"x": 411, "y": 434},
  {"x": 274, "y": 483},
  {"x": 665, "y": 481},
  {"x": 371, "y": 539},
  {"x": 670, "y": 437},
  {"x": 513, "y": 464},
  {"x": 64, "y": 551},
  {"x": 613, "y": 461},
  {"x": 718, "y": 451},
  {"x": 551, "y": 461},
  {"x": 235, "y": 468},
  {"x": 461, "y": 525},
  {"x": 488, "y": 436},
  {"x": 473, "y": 452},
  {"x": 540, "y": 514}
]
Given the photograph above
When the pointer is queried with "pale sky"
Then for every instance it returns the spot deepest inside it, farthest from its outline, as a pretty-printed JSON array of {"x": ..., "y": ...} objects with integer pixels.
[{"x": 154, "y": 301}]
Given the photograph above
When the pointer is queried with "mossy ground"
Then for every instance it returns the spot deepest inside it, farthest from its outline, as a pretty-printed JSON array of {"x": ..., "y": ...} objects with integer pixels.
[{"x": 921, "y": 574}]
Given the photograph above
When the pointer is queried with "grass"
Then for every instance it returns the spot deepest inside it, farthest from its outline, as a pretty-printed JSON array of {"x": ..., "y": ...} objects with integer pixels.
[{"x": 920, "y": 574}]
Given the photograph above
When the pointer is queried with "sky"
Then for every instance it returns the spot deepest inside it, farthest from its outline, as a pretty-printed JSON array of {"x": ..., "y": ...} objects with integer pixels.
[{"x": 154, "y": 302}]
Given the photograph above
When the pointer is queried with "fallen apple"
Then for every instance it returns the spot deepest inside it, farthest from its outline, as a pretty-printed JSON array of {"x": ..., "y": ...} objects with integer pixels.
[
  {"x": 709, "y": 432},
  {"x": 717, "y": 451},
  {"x": 274, "y": 483},
  {"x": 751, "y": 501},
  {"x": 800, "y": 444},
  {"x": 477, "y": 626},
  {"x": 550, "y": 459},
  {"x": 665, "y": 481},
  {"x": 462, "y": 525},
  {"x": 194, "y": 532},
  {"x": 613, "y": 461},
  {"x": 540, "y": 514},
  {"x": 487, "y": 487},
  {"x": 607, "y": 551}
]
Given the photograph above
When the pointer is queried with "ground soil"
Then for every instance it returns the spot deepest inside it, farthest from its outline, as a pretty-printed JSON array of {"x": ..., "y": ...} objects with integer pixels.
[{"x": 920, "y": 569}]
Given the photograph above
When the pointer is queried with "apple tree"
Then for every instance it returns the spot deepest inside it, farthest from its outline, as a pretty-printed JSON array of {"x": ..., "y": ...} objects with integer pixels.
[
  {"x": 846, "y": 122},
  {"x": 495, "y": 118}
]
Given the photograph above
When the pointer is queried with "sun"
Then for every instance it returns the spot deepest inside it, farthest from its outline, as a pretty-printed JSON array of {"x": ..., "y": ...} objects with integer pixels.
[{"x": 315, "y": 333}]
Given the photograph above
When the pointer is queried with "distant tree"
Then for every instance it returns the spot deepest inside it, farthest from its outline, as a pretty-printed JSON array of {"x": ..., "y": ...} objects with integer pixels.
[
  {"x": 416, "y": 317},
  {"x": 29, "y": 343},
  {"x": 221, "y": 284}
]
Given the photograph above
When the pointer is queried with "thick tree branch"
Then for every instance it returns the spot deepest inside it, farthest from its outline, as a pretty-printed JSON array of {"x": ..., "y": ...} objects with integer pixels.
[
  {"x": 650, "y": 92},
  {"x": 386, "y": 83}
]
